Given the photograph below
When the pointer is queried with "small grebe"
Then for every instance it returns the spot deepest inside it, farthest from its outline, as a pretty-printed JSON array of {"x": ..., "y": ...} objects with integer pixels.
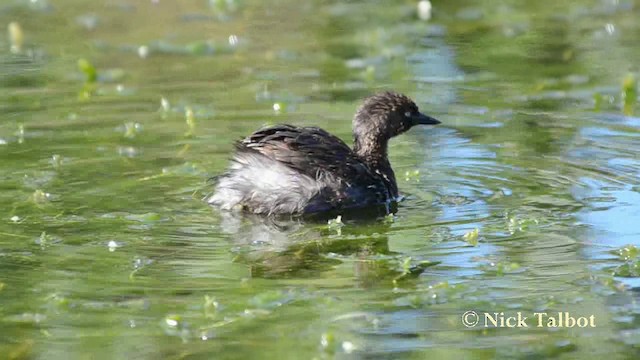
[{"x": 285, "y": 169}]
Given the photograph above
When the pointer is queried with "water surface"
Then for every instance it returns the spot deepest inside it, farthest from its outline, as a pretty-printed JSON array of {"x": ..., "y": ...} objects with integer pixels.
[{"x": 108, "y": 251}]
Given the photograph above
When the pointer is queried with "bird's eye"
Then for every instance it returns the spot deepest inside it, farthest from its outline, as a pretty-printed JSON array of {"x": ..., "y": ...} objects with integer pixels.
[{"x": 407, "y": 114}]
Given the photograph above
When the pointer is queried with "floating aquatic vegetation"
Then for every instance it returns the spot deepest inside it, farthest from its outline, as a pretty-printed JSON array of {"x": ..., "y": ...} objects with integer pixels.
[
  {"x": 139, "y": 263},
  {"x": 517, "y": 224},
  {"x": 336, "y": 223},
  {"x": 389, "y": 219},
  {"x": 471, "y": 237},
  {"x": 210, "y": 307},
  {"x": 131, "y": 129},
  {"x": 598, "y": 100},
  {"x": 45, "y": 240},
  {"x": 89, "y": 71},
  {"x": 629, "y": 94},
  {"x": 20, "y": 134},
  {"x": 327, "y": 340},
  {"x": 412, "y": 175},
  {"x": 56, "y": 161},
  {"x": 630, "y": 254},
  {"x": 91, "y": 76},
  {"x": 191, "y": 122},
  {"x": 40, "y": 197},
  {"x": 628, "y": 269},
  {"x": 412, "y": 269},
  {"x": 331, "y": 345},
  {"x": 16, "y": 37},
  {"x": 174, "y": 325}
]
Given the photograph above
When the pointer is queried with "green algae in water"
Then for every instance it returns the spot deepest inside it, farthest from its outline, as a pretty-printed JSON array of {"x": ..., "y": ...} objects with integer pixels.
[
  {"x": 40, "y": 197},
  {"x": 412, "y": 269},
  {"x": 210, "y": 307},
  {"x": 501, "y": 268},
  {"x": 335, "y": 223},
  {"x": 472, "y": 237},
  {"x": 175, "y": 325},
  {"x": 90, "y": 78},
  {"x": 412, "y": 175},
  {"x": 517, "y": 224},
  {"x": 57, "y": 161},
  {"x": 328, "y": 342},
  {"x": 598, "y": 101},
  {"x": 630, "y": 254},
  {"x": 629, "y": 94},
  {"x": 131, "y": 129},
  {"x": 16, "y": 37},
  {"x": 20, "y": 133},
  {"x": 191, "y": 122},
  {"x": 89, "y": 71},
  {"x": 629, "y": 269},
  {"x": 182, "y": 259}
]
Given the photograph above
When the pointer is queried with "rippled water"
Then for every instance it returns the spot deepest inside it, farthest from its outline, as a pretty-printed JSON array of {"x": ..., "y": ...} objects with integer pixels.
[{"x": 524, "y": 200}]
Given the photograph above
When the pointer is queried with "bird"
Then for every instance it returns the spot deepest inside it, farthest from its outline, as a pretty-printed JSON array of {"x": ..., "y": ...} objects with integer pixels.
[{"x": 297, "y": 171}]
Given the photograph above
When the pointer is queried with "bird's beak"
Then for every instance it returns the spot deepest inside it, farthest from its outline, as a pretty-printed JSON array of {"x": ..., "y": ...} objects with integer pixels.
[{"x": 422, "y": 119}]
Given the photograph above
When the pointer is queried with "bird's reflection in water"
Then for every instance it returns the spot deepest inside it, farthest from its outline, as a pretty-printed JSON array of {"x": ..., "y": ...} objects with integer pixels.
[{"x": 291, "y": 248}]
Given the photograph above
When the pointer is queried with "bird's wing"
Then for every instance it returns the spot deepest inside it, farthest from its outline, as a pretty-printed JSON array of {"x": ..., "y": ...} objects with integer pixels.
[
  {"x": 344, "y": 180},
  {"x": 308, "y": 150}
]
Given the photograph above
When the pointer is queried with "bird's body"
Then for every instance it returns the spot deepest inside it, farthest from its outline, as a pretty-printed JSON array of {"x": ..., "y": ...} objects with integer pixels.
[{"x": 285, "y": 169}]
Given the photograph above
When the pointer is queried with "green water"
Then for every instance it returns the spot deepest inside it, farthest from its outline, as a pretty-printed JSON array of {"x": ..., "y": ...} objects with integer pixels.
[{"x": 107, "y": 250}]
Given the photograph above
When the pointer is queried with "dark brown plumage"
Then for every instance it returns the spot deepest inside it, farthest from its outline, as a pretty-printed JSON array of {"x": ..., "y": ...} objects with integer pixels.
[{"x": 286, "y": 169}]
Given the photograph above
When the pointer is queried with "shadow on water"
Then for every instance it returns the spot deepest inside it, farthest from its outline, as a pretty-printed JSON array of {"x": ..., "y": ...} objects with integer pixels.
[{"x": 273, "y": 248}]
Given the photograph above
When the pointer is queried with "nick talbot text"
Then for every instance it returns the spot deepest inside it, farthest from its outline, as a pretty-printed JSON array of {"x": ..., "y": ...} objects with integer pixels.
[{"x": 537, "y": 319}]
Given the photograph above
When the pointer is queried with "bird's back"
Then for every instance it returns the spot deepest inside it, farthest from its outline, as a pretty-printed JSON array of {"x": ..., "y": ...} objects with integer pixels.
[{"x": 285, "y": 169}]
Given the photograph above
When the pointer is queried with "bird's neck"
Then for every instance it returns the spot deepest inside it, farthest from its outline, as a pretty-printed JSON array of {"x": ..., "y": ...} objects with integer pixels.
[
  {"x": 374, "y": 153},
  {"x": 370, "y": 148}
]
